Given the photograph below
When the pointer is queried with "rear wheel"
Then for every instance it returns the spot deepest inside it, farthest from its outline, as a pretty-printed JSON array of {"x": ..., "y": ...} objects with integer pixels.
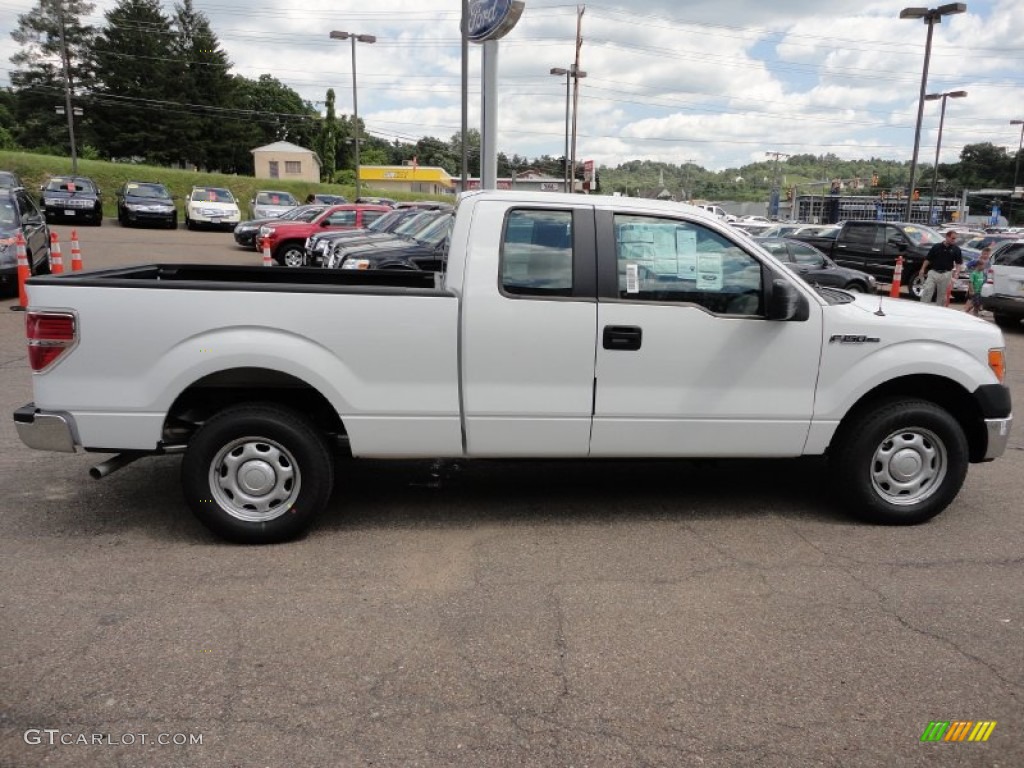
[
  {"x": 855, "y": 287},
  {"x": 257, "y": 474},
  {"x": 901, "y": 463},
  {"x": 915, "y": 286}
]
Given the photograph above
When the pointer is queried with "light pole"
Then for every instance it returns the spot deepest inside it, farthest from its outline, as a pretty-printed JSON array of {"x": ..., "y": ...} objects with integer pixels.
[
  {"x": 336, "y": 35},
  {"x": 931, "y": 17},
  {"x": 1016, "y": 166},
  {"x": 938, "y": 143},
  {"x": 568, "y": 74}
]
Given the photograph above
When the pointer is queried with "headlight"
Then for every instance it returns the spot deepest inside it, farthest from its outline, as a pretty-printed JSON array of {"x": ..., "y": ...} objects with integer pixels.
[
  {"x": 51, "y": 201},
  {"x": 266, "y": 231},
  {"x": 356, "y": 264}
]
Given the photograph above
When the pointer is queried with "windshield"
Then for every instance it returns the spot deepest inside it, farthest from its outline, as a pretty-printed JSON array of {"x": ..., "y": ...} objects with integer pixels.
[
  {"x": 70, "y": 185},
  {"x": 156, "y": 191},
  {"x": 436, "y": 233},
  {"x": 923, "y": 235},
  {"x": 8, "y": 215},
  {"x": 275, "y": 198},
  {"x": 416, "y": 223},
  {"x": 212, "y": 195},
  {"x": 302, "y": 213}
]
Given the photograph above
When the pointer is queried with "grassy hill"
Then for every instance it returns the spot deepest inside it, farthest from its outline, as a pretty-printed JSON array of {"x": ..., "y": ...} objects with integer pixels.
[{"x": 36, "y": 169}]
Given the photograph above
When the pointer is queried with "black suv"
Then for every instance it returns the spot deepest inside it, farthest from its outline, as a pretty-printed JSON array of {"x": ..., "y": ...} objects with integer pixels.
[
  {"x": 69, "y": 199},
  {"x": 146, "y": 202},
  {"x": 18, "y": 213}
]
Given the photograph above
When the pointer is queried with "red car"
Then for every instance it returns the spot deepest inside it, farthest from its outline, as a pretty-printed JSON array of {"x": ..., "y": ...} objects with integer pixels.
[{"x": 287, "y": 239}]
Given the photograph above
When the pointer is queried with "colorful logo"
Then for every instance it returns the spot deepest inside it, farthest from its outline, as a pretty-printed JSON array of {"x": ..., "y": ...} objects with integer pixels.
[
  {"x": 958, "y": 730},
  {"x": 492, "y": 19}
]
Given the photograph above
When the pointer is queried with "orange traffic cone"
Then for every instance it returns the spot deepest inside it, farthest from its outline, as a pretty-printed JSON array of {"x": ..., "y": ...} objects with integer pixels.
[
  {"x": 267, "y": 260},
  {"x": 24, "y": 272},
  {"x": 76, "y": 253},
  {"x": 897, "y": 277},
  {"x": 56, "y": 260}
]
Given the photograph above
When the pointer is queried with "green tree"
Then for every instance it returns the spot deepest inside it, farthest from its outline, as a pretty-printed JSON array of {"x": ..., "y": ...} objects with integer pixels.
[
  {"x": 38, "y": 79},
  {"x": 327, "y": 144},
  {"x": 277, "y": 112},
  {"x": 433, "y": 151},
  {"x": 473, "y": 144},
  {"x": 137, "y": 114},
  {"x": 207, "y": 125}
]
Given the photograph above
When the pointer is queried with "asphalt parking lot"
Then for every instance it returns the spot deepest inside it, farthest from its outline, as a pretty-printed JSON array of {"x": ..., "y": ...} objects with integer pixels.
[{"x": 499, "y": 614}]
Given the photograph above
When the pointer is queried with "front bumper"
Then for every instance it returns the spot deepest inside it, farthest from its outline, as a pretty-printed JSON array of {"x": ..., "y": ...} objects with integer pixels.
[
  {"x": 45, "y": 430},
  {"x": 997, "y": 410},
  {"x": 998, "y": 436},
  {"x": 1003, "y": 304}
]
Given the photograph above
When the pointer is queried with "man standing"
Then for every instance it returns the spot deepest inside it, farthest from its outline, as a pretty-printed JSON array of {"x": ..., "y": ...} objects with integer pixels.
[{"x": 942, "y": 259}]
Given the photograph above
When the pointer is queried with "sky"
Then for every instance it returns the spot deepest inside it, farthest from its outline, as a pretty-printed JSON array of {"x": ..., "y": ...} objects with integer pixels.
[{"x": 718, "y": 83}]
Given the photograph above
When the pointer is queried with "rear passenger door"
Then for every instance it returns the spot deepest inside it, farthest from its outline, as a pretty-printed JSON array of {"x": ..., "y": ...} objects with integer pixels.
[
  {"x": 859, "y": 243},
  {"x": 34, "y": 229},
  {"x": 528, "y": 331}
]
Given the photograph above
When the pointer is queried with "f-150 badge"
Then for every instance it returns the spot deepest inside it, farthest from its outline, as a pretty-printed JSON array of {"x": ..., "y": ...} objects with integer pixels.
[{"x": 847, "y": 338}]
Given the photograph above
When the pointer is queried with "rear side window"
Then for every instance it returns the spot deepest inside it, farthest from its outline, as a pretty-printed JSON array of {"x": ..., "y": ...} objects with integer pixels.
[
  {"x": 861, "y": 234},
  {"x": 1012, "y": 256},
  {"x": 536, "y": 253},
  {"x": 342, "y": 219}
]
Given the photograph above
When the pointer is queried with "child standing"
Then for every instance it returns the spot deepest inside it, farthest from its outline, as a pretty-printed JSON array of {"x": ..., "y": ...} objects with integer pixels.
[{"x": 978, "y": 275}]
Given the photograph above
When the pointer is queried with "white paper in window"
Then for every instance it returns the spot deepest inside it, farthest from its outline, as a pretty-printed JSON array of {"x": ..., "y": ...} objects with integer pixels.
[
  {"x": 686, "y": 248},
  {"x": 709, "y": 272},
  {"x": 632, "y": 278}
]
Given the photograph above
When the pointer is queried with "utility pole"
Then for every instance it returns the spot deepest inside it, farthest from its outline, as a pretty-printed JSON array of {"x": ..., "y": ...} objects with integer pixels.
[
  {"x": 576, "y": 92},
  {"x": 65, "y": 60},
  {"x": 773, "y": 199}
]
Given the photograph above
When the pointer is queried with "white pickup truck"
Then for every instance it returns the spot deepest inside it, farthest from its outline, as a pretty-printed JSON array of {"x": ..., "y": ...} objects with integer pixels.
[{"x": 563, "y": 326}]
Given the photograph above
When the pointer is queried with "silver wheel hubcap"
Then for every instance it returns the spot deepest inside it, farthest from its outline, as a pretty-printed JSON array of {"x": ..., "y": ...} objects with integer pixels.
[
  {"x": 293, "y": 258},
  {"x": 908, "y": 466},
  {"x": 254, "y": 479}
]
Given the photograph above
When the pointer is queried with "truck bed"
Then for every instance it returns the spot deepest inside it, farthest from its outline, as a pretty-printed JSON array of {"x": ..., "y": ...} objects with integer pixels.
[{"x": 220, "y": 277}]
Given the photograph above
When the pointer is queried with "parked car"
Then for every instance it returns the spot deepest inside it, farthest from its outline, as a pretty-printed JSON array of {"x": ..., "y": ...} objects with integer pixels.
[
  {"x": 247, "y": 232},
  {"x": 72, "y": 199},
  {"x": 18, "y": 213},
  {"x": 426, "y": 205},
  {"x": 1006, "y": 299},
  {"x": 10, "y": 180},
  {"x": 396, "y": 223},
  {"x": 815, "y": 267},
  {"x": 287, "y": 239},
  {"x": 426, "y": 250},
  {"x": 146, "y": 202},
  {"x": 211, "y": 207},
  {"x": 325, "y": 199},
  {"x": 374, "y": 200},
  {"x": 269, "y": 204}
]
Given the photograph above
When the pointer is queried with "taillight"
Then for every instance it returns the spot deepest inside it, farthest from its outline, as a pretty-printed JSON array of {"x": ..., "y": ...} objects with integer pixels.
[{"x": 50, "y": 335}]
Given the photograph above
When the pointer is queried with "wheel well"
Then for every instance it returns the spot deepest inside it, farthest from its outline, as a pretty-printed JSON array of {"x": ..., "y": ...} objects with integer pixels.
[
  {"x": 217, "y": 391},
  {"x": 943, "y": 392}
]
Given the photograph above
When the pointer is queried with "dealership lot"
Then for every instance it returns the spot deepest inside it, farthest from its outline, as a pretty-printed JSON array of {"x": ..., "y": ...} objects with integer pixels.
[{"x": 494, "y": 613}]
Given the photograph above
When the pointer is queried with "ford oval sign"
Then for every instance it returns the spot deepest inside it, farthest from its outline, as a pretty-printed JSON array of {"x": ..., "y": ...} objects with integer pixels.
[{"x": 492, "y": 19}]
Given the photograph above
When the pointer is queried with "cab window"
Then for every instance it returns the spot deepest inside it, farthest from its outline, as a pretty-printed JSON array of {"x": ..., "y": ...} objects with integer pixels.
[
  {"x": 665, "y": 260},
  {"x": 536, "y": 253}
]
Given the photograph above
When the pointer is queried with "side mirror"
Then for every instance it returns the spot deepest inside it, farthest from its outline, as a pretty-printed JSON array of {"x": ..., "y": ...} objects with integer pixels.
[{"x": 785, "y": 302}]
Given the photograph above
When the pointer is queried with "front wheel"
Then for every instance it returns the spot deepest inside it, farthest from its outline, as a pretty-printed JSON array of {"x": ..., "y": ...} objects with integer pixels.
[
  {"x": 902, "y": 463},
  {"x": 257, "y": 474},
  {"x": 291, "y": 255},
  {"x": 855, "y": 287},
  {"x": 1005, "y": 321}
]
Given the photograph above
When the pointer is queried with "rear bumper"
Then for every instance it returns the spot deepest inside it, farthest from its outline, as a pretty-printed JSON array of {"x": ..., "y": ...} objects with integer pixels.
[{"x": 45, "y": 431}]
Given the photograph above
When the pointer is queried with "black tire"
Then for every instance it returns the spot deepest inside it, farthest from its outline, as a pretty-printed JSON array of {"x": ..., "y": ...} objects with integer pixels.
[
  {"x": 900, "y": 463},
  {"x": 291, "y": 255},
  {"x": 855, "y": 287},
  {"x": 1005, "y": 321},
  {"x": 276, "y": 447},
  {"x": 915, "y": 286},
  {"x": 173, "y": 223},
  {"x": 189, "y": 225}
]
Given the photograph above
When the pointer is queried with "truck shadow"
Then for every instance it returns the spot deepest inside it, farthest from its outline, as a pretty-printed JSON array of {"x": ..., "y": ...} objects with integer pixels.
[{"x": 463, "y": 493}]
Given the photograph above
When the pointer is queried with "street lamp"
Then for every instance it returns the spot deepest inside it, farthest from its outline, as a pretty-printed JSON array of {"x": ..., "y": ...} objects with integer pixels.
[
  {"x": 572, "y": 73},
  {"x": 1016, "y": 166},
  {"x": 931, "y": 17},
  {"x": 336, "y": 35},
  {"x": 938, "y": 143}
]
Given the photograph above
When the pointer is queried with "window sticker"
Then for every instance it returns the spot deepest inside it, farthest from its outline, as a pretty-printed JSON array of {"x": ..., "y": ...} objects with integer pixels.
[
  {"x": 686, "y": 249},
  {"x": 709, "y": 272},
  {"x": 632, "y": 278}
]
